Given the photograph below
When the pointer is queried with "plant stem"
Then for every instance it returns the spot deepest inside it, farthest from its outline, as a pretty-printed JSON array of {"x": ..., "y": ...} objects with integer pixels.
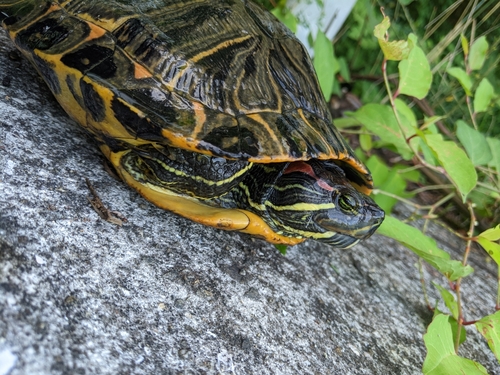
[
  {"x": 432, "y": 187},
  {"x": 497, "y": 307},
  {"x": 459, "y": 281},
  {"x": 422, "y": 282}
]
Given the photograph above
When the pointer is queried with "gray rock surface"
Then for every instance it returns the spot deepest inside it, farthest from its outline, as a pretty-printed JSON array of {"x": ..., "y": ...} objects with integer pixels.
[{"x": 163, "y": 295}]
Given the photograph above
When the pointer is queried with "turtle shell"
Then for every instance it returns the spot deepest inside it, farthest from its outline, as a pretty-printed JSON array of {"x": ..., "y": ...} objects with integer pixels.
[{"x": 223, "y": 78}]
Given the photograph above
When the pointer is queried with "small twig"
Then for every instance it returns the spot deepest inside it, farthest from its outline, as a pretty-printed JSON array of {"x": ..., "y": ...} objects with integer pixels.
[
  {"x": 422, "y": 282},
  {"x": 434, "y": 207},
  {"x": 431, "y": 187},
  {"x": 99, "y": 207}
]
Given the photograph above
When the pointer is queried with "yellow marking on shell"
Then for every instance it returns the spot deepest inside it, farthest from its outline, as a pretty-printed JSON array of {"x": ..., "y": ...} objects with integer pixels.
[
  {"x": 191, "y": 208},
  {"x": 221, "y": 45},
  {"x": 201, "y": 179},
  {"x": 302, "y": 206},
  {"x": 272, "y": 134},
  {"x": 109, "y": 126},
  {"x": 201, "y": 118},
  {"x": 140, "y": 72},
  {"x": 201, "y": 55},
  {"x": 107, "y": 24},
  {"x": 53, "y": 7},
  {"x": 95, "y": 31},
  {"x": 301, "y": 114},
  {"x": 12, "y": 33}
]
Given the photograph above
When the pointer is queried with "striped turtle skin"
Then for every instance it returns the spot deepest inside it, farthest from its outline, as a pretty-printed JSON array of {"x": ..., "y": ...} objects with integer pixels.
[{"x": 210, "y": 109}]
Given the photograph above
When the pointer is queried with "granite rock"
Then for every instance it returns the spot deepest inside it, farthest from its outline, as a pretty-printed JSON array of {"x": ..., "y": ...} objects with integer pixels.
[{"x": 163, "y": 295}]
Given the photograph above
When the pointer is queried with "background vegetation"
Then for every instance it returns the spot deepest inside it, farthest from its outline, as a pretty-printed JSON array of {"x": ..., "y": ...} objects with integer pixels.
[{"x": 416, "y": 86}]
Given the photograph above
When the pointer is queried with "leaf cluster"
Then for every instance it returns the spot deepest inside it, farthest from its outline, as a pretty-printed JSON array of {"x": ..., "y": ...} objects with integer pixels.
[{"x": 432, "y": 105}]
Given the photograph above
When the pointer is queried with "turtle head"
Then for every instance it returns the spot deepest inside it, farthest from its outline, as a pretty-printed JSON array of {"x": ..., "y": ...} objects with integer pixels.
[{"x": 315, "y": 199}]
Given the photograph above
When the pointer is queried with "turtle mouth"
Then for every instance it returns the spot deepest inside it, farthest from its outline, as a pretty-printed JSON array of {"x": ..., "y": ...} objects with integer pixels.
[{"x": 359, "y": 229}]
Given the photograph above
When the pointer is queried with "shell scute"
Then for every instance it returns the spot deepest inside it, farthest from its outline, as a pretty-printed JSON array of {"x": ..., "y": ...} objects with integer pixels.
[{"x": 220, "y": 78}]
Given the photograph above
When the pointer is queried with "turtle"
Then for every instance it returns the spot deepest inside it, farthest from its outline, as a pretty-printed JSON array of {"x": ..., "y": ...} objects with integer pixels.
[{"x": 208, "y": 108}]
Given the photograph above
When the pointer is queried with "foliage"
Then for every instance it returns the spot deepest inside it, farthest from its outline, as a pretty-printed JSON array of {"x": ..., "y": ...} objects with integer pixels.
[{"x": 433, "y": 104}]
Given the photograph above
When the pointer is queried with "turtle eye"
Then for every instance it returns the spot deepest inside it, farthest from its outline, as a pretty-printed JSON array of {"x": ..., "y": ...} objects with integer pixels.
[{"x": 347, "y": 203}]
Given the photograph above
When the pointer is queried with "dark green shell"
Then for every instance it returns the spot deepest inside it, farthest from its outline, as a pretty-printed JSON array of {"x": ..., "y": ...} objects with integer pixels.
[{"x": 223, "y": 78}]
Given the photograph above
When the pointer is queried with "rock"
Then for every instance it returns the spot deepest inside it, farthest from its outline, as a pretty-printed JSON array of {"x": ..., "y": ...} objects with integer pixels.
[{"x": 160, "y": 294}]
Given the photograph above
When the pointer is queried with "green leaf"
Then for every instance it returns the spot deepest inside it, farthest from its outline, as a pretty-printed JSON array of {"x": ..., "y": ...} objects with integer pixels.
[
  {"x": 395, "y": 50},
  {"x": 429, "y": 156},
  {"x": 395, "y": 184},
  {"x": 492, "y": 234},
  {"x": 454, "y": 329},
  {"x": 465, "y": 44},
  {"x": 425, "y": 247},
  {"x": 286, "y": 17},
  {"x": 380, "y": 119},
  {"x": 478, "y": 53},
  {"x": 462, "y": 78},
  {"x": 441, "y": 358},
  {"x": 344, "y": 69},
  {"x": 449, "y": 300},
  {"x": 408, "y": 120},
  {"x": 494, "y": 144},
  {"x": 365, "y": 141},
  {"x": 492, "y": 248},
  {"x": 489, "y": 327},
  {"x": 415, "y": 76},
  {"x": 453, "y": 324},
  {"x": 456, "y": 163},
  {"x": 325, "y": 63},
  {"x": 382, "y": 28},
  {"x": 345, "y": 122},
  {"x": 474, "y": 143},
  {"x": 406, "y": 111},
  {"x": 378, "y": 168},
  {"x": 483, "y": 96},
  {"x": 428, "y": 121},
  {"x": 281, "y": 248}
]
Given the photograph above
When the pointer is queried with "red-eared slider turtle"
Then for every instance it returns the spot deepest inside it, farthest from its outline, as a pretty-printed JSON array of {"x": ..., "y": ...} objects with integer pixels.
[{"x": 210, "y": 109}]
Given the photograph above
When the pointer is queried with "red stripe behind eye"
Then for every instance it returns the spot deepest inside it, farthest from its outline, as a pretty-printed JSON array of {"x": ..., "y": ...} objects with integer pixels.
[{"x": 300, "y": 166}]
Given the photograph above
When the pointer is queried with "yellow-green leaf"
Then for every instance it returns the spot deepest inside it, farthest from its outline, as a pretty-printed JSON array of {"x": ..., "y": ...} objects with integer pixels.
[
  {"x": 489, "y": 327},
  {"x": 478, "y": 53},
  {"x": 465, "y": 44},
  {"x": 456, "y": 163},
  {"x": 449, "y": 300},
  {"x": 474, "y": 143},
  {"x": 441, "y": 358},
  {"x": 325, "y": 63},
  {"x": 415, "y": 76},
  {"x": 463, "y": 78},
  {"x": 395, "y": 50},
  {"x": 492, "y": 234},
  {"x": 483, "y": 96},
  {"x": 491, "y": 248},
  {"x": 424, "y": 246},
  {"x": 380, "y": 120}
]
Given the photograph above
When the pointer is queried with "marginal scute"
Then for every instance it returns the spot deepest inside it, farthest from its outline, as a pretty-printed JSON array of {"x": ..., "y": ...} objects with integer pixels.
[
  {"x": 47, "y": 72},
  {"x": 135, "y": 122},
  {"x": 93, "y": 103}
]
